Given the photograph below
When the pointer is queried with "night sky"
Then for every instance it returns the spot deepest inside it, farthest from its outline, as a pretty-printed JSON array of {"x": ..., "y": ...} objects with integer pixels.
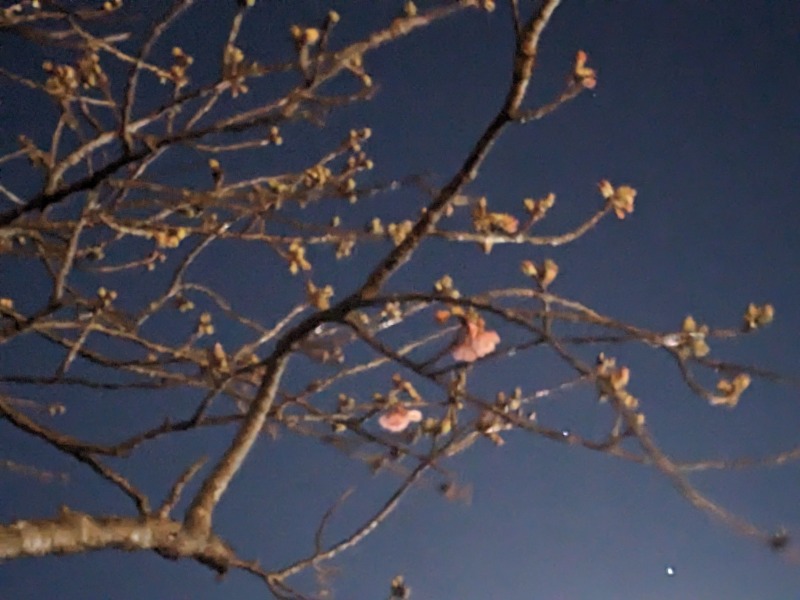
[{"x": 696, "y": 107}]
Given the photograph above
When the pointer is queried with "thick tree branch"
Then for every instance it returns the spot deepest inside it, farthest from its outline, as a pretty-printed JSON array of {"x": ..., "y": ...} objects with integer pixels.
[
  {"x": 198, "y": 517},
  {"x": 76, "y": 532}
]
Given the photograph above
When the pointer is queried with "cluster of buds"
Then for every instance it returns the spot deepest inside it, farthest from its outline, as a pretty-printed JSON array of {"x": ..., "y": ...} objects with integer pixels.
[
  {"x": 316, "y": 176},
  {"x": 178, "y": 69},
  {"x": 399, "y": 231},
  {"x": 443, "y": 426},
  {"x": 6, "y": 304},
  {"x": 613, "y": 381},
  {"x": 154, "y": 258},
  {"x": 391, "y": 311},
  {"x": 170, "y": 237},
  {"x": 537, "y": 209},
  {"x": 319, "y": 297},
  {"x": 510, "y": 403},
  {"x": 758, "y": 316},
  {"x": 305, "y": 39},
  {"x": 730, "y": 391},
  {"x": 234, "y": 69},
  {"x": 112, "y": 5},
  {"x": 375, "y": 227},
  {"x": 218, "y": 359},
  {"x": 359, "y": 162},
  {"x": 56, "y": 409},
  {"x": 446, "y": 287},
  {"x": 19, "y": 8},
  {"x": 356, "y": 137},
  {"x": 274, "y": 136},
  {"x": 105, "y": 297},
  {"x": 63, "y": 80},
  {"x": 487, "y": 5},
  {"x": 694, "y": 339},
  {"x": 183, "y": 304},
  {"x": 621, "y": 199},
  {"x": 205, "y": 325},
  {"x": 544, "y": 274},
  {"x": 344, "y": 247},
  {"x": 491, "y": 424},
  {"x": 297, "y": 258},
  {"x": 305, "y": 36},
  {"x": 90, "y": 72},
  {"x": 399, "y": 590},
  {"x": 485, "y": 221}
]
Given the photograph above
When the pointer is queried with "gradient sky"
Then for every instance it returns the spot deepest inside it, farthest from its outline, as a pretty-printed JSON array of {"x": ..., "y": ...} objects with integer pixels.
[{"x": 698, "y": 107}]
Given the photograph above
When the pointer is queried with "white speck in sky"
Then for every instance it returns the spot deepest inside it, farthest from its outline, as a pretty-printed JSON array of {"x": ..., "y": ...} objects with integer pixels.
[{"x": 670, "y": 571}]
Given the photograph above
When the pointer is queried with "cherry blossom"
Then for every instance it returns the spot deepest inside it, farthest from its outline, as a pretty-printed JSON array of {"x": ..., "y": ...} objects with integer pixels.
[
  {"x": 477, "y": 342},
  {"x": 397, "y": 418}
]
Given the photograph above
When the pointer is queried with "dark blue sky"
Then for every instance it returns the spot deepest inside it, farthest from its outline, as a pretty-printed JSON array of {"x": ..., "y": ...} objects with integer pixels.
[{"x": 697, "y": 108}]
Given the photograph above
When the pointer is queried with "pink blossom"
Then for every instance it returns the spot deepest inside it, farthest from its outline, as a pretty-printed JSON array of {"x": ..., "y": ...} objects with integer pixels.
[
  {"x": 398, "y": 417},
  {"x": 477, "y": 342}
]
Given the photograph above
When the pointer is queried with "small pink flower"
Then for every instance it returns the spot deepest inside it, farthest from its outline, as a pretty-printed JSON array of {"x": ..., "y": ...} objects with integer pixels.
[
  {"x": 397, "y": 418},
  {"x": 477, "y": 342}
]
